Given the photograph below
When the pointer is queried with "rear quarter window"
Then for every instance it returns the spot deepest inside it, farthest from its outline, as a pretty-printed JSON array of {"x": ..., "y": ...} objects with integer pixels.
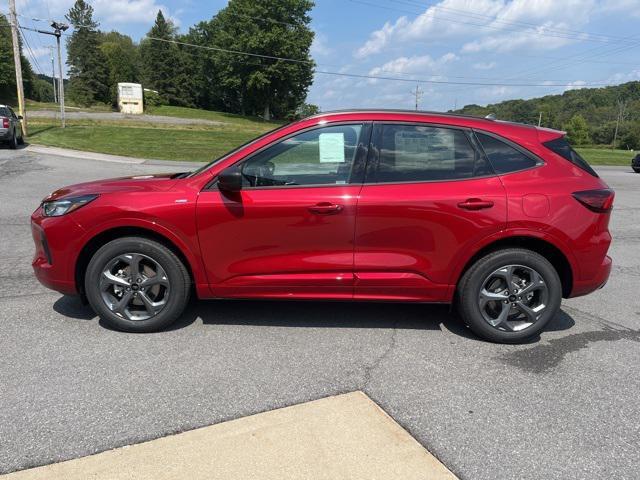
[
  {"x": 561, "y": 146},
  {"x": 503, "y": 157}
]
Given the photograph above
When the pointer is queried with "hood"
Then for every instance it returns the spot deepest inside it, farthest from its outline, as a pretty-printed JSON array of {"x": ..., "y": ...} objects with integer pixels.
[{"x": 138, "y": 183}]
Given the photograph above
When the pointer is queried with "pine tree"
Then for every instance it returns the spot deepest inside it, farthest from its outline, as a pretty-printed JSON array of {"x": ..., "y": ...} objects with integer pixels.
[
  {"x": 88, "y": 68},
  {"x": 8, "y": 92},
  {"x": 163, "y": 66}
]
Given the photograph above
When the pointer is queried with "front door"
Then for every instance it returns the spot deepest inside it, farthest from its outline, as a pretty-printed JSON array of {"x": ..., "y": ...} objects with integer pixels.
[
  {"x": 428, "y": 196},
  {"x": 289, "y": 232}
]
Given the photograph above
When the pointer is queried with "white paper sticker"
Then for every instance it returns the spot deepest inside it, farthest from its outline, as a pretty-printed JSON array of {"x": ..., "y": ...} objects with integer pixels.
[{"x": 332, "y": 148}]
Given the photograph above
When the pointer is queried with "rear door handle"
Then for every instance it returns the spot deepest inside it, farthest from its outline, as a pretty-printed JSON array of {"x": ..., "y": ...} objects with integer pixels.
[
  {"x": 325, "y": 208},
  {"x": 475, "y": 204}
]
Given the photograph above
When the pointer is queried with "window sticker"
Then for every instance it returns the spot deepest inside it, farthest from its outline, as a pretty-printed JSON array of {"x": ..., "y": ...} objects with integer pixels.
[{"x": 332, "y": 148}]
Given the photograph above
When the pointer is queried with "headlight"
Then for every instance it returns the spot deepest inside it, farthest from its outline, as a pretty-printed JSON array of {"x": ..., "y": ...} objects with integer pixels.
[{"x": 56, "y": 208}]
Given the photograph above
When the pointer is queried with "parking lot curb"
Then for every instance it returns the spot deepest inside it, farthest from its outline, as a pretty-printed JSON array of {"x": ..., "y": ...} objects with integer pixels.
[
  {"x": 341, "y": 437},
  {"x": 103, "y": 157}
]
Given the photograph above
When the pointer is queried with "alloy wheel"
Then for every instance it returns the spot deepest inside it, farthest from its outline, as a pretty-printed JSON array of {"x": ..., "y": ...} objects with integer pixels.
[
  {"x": 134, "y": 286},
  {"x": 513, "y": 298}
]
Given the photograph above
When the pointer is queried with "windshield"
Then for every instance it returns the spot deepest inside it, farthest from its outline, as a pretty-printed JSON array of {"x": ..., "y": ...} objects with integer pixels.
[{"x": 228, "y": 154}]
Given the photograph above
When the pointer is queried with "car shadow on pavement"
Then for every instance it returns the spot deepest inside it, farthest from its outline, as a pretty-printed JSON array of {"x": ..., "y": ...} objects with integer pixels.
[{"x": 311, "y": 314}]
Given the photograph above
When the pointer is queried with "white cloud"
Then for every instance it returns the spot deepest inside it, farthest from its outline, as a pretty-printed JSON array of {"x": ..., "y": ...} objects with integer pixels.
[
  {"x": 110, "y": 13},
  {"x": 488, "y": 22},
  {"x": 577, "y": 85},
  {"x": 484, "y": 65},
  {"x": 416, "y": 64},
  {"x": 320, "y": 46},
  {"x": 628, "y": 7}
]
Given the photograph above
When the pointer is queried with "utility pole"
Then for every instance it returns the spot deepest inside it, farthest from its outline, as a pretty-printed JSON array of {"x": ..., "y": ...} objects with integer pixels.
[
  {"x": 53, "y": 76},
  {"x": 18, "y": 65},
  {"x": 540, "y": 119},
  {"x": 58, "y": 28},
  {"x": 418, "y": 94},
  {"x": 622, "y": 105}
]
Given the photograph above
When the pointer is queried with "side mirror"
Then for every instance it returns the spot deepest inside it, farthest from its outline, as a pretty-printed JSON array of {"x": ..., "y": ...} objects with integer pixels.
[
  {"x": 230, "y": 179},
  {"x": 19, "y": 117}
]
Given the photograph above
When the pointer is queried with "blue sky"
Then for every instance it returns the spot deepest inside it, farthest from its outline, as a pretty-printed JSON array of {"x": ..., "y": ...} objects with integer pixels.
[{"x": 567, "y": 43}]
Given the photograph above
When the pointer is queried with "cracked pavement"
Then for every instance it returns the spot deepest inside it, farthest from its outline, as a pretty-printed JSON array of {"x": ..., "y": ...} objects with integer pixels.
[{"x": 564, "y": 406}]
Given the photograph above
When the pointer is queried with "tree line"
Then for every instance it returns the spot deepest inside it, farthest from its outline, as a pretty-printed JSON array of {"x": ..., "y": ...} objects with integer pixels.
[
  {"x": 203, "y": 75},
  {"x": 590, "y": 116}
]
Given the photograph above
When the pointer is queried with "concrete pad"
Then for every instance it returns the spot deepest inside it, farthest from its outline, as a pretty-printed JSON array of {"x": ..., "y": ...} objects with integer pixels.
[{"x": 343, "y": 437}]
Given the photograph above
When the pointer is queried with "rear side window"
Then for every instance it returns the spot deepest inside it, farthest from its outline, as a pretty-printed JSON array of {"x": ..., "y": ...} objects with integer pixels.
[
  {"x": 4, "y": 112},
  {"x": 411, "y": 153},
  {"x": 503, "y": 157},
  {"x": 561, "y": 146}
]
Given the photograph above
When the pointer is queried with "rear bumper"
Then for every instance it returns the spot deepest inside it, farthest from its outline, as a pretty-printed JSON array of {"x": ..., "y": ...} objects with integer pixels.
[{"x": 584, "y": 287}]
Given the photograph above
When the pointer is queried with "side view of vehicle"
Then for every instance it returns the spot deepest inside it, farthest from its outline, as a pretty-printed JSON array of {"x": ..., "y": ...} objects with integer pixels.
[
  {"x": 10, "y": 127},
  {"x": 501, "y": 219},
  {"x": 635, "y": 163}
]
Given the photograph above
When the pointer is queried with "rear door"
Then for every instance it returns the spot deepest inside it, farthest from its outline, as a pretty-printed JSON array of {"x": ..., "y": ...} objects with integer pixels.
[{"x": 429, "y": 195}]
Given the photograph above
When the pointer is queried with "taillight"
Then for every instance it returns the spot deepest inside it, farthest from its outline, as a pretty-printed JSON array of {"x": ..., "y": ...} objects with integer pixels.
[
  {"x": 600, "y": 201},
  {"x": 5, "y": 122}
]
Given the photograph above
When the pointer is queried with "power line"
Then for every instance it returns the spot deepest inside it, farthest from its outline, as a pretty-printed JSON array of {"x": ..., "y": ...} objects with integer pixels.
[{"x": 363, "y": 76}]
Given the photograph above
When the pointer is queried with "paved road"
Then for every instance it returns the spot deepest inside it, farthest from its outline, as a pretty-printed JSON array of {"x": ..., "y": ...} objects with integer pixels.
[
  {"x": 563, "y": 407},
  {"x": 162, "y": 119}
]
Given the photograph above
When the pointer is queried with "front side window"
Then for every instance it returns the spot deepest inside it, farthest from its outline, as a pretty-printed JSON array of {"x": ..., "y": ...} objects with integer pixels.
[
  {"x": 503, "y": 157},
  {"x": 323, "y": 156},
  {"x": 410, "y": 153}
]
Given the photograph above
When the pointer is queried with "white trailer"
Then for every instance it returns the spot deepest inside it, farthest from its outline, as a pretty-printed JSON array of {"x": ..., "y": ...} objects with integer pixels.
[{"x": 130, "y": 98}]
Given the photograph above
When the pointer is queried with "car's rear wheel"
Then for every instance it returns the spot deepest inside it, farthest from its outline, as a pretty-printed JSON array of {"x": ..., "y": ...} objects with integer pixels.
[
  {"x": 13, "y": 143},
  {"x": 21, "y": 138},
  {"x": 137, "y": 285},
  {"x": 636, "y": 169},
  {"x": 510, "y": 295}
]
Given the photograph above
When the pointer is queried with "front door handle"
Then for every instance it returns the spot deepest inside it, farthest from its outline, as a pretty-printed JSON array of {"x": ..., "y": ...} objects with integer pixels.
[
  {"x": 325, "y": 208},
  {"x": 475, "y": 204}
]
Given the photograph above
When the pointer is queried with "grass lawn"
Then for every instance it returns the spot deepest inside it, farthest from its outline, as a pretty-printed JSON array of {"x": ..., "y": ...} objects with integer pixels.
[
  {"x": 171, "y": 143},
  {"x": 606, "y": 156}
]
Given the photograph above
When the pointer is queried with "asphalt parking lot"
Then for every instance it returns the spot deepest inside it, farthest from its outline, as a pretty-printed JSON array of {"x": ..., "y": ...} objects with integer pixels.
[{"x": 564, "y": 406}]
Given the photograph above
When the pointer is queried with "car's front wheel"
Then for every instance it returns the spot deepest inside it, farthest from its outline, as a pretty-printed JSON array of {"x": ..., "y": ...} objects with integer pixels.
[
  {"x": 510, "y": 295},
  {"x": 636, "y": 169},
  {"x": 137, "y": 285}
]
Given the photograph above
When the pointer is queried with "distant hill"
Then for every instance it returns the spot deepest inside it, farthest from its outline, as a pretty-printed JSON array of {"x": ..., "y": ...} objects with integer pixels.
[{"x": 599, "y": 107}]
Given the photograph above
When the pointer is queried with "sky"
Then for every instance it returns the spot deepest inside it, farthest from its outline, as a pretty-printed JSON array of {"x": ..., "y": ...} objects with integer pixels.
[{"x": 487, "y": 50}]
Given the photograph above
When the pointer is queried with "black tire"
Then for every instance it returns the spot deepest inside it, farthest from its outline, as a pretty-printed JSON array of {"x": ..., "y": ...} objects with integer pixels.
[
  {"x": 13, "y": 143},
  {"x": 179, "y": 283},
  {"x": 21, "y": 138},
  {"x": 474, "y": 278},
  {"x": 636, "y": 169}
]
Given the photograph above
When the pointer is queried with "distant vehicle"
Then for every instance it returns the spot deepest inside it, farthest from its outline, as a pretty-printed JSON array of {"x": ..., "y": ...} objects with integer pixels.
[
  {"x": 635, "y": 163},
  {"x": 10, "y": 127},
  {"x": 130, "y": 98},
  {"x": 502, "y": 219}
]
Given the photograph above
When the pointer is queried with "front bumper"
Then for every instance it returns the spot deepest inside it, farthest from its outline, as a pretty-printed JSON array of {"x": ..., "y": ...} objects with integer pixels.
[{"x": 56, "y": 251}]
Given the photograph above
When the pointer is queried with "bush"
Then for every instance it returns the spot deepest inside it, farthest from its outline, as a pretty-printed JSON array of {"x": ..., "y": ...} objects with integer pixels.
[{"x": 152, "y": 99}]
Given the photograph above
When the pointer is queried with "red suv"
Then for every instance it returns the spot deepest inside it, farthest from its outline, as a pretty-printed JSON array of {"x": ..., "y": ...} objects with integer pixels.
[{"x": 501, "y": 218}]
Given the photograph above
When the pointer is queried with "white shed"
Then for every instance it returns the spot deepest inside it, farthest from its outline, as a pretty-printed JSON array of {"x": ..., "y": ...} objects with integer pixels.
[{"x": 130, "y": 98}]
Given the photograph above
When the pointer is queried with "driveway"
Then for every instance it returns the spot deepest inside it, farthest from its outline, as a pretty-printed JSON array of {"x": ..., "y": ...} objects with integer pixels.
[{"x": 562, "y": 407}]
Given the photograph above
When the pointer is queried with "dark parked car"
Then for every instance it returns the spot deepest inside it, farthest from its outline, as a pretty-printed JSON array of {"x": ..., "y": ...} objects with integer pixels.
[
  {"x": 10, "y": 127},
  {"x": 635, "y": 163}
]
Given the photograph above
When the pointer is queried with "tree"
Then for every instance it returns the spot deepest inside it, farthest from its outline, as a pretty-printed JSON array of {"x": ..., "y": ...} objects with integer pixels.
[
  {"x": 88, "y": 68},
  {"x": 257, "y": 84},
  {"x": 122, "y": 59},
  {"x": 8, "y": 92},
  {"x": 163, "y": 63},
  {"x": 577, "y": 130}
]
